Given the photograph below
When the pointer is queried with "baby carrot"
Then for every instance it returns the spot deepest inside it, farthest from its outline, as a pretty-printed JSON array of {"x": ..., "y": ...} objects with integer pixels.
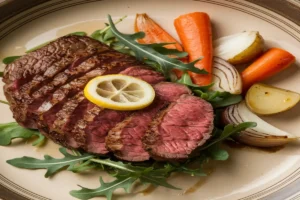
[
  {"x": 154, "y": 33},
  {"x": 194, "y": 30},
  {"x": 270, "y": 63}
]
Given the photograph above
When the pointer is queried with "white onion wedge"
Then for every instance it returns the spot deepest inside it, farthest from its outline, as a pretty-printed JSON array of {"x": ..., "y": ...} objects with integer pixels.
[
  {"x": 239, "y": 48},
  {"x": 225, "y": 77},
  {"x": 264, "y": 135}
]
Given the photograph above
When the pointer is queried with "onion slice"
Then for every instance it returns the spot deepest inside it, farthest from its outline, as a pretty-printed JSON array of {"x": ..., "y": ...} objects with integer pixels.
[
  {"x": 264, "y": 135},
  {"x": 239, "y": 48},
  {"x": 226, "y": 78}
]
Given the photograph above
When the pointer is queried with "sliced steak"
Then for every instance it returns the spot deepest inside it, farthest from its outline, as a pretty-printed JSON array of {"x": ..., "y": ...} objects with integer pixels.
[
  {"x": 125, "y": 139},
  {"x": 179, "y": 129},
  {"x": 37, "y": 68},
  {"x": 97, "y": 129}
]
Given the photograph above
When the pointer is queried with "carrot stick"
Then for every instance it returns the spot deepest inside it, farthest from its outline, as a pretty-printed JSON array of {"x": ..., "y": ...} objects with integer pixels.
[
  {"x": 154, "y": 33},
  {"x": 194, "y": 30},
  {"x": 270, "y": 63}
]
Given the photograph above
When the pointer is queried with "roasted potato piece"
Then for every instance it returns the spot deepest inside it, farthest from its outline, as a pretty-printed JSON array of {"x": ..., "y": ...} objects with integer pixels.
[{"x": 266, "y": 100}]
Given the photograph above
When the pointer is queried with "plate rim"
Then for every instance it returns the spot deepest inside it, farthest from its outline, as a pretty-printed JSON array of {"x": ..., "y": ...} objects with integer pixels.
[{"x": 265, "y": 10}]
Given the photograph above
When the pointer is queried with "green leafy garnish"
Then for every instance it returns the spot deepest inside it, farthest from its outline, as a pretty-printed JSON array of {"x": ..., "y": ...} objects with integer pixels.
[
  {"x": 4, "y": 102},
  {"x": 186, "y": 80},
  {"x": 147, "y": 52},
  {"x": 218, "y": 99},
  {"x": 10, "y": 131},
  {"x": 79, "y": 33},
  {"x": 9, "y": 60},
  {"x": 216, "y": 153},
  {"x": 106, "y": 189},
  {"x": 52, "y": 165},
  {"x": 228, "y": 131}
]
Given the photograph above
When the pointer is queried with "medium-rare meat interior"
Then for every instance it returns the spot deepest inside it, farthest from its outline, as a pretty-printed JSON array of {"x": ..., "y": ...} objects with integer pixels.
[{"x": 45, "y": 91}]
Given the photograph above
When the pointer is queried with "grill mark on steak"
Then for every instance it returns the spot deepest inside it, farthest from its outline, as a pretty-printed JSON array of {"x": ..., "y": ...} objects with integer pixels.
[
  {"x": 70, "y": 89},
  {"x": 71, "y": 74},
  {"x": 98, "y": 129},
  {"x": 49, "y": 60},
  {"x": 179, "y": 129},
  {"x": 78, "y": 139},
  {"x": 125, "y": 139},
  {"x": 37, "y": 68},
  {"x": 63, "y": 116}
]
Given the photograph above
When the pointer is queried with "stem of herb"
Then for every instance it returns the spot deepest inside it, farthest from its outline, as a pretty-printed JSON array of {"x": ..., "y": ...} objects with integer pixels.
[
  {"x": 107, "y": 163},
  {"x": 4, "y": 102},
  {"x": 108, "y": 27}
]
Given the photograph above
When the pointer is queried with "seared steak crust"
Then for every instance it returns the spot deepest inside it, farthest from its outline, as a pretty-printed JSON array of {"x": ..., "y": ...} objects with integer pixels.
[{"x": 37, "y": 68}]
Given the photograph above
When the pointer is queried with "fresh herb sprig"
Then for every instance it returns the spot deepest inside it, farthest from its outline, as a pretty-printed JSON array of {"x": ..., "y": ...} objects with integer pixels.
[
  {"x": 4, "y": 102},
  {"x": 10, "y": 59},
  {"x": 52, "y": 165},
  {"x": 10, "y": 131},
  {"x": 216, "y": 98}
]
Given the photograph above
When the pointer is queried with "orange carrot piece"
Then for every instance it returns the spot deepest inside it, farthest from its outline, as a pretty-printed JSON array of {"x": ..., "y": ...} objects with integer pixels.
[
  {"x": 194, "y": 30},
  {"x": 154, "y": 33},
  {"x": 270, "y": 63}
]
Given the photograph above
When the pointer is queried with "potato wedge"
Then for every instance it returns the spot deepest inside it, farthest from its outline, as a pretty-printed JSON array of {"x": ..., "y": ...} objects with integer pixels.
[
  {"x": 266, "y": 100},
  {"x": 239, "y": 48}
]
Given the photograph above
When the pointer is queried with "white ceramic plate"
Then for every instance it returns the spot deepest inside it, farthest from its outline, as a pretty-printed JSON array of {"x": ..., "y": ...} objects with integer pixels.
[{"x": 248, "y": 174}]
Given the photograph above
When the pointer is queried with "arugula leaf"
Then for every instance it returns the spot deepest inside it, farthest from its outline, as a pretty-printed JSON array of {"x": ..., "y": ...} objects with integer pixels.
[
  {"x": 106, "y": 189},
  {"x": 157, "y": 181},
  {"x": 145, "y": 174},
  {"x": 145, "y": 51},
  {"x": 4, "y": 102},
  {"x": 227, "y": 100},
  {"x": 79, "y": 33},
  {"x": 216, "y": 153},
  {"x": 186, "y": 80},
  {"x": 9, "y": 60},
  {"x": 10, "y": 131},
  {"x": 52, "y": 165},
  {"x": 218, "y": 99},
  {"x": 228, "y": 131}
]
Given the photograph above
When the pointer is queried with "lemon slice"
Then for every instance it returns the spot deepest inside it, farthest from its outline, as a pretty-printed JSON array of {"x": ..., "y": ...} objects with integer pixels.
[{"x": 119, "y": 92}]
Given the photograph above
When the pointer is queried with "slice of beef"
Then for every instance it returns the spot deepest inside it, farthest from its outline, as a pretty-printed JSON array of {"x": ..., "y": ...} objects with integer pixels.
[
  {"x": 179, "y": 129},
  {"x": 125, "y": 139},
  {"x": 37, "y": 68}
]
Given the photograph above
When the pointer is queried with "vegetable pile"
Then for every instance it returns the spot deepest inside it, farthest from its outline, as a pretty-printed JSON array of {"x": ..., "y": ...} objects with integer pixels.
[{"x": 215, "y": 79}]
